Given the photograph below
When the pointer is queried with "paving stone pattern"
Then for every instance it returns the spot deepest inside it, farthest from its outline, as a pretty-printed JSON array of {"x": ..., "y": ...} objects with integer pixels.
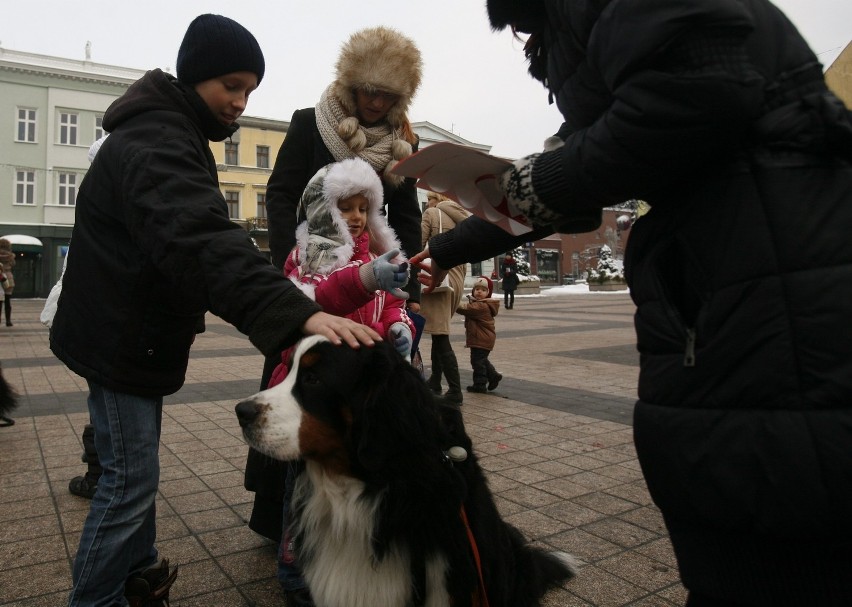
[{"x": 555, "y": 439}]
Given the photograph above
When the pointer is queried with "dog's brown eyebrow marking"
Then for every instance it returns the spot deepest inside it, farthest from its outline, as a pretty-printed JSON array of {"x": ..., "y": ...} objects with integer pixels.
[{"x": 309, "y": 359}]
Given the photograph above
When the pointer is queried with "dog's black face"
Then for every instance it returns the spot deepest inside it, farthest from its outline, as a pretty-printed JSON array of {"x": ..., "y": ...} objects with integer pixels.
[
  {"x": 341, "y": 407},
  {"x": 366, "y": 414}
]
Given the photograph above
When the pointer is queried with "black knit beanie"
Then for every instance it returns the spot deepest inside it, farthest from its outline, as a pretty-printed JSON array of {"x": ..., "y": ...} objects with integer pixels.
[{"x": 215, "y": 45}]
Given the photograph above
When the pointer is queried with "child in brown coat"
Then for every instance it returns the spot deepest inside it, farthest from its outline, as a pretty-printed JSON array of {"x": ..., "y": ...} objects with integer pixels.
[{"x": 479, "y": 312}]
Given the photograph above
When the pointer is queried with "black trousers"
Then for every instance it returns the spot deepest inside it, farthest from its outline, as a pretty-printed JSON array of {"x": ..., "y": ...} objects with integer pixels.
[
  {"x": 509, "y": 299},
  {"x": 483, "y": 370}
]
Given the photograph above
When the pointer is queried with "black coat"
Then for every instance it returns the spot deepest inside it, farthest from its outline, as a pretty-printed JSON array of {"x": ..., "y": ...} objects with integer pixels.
[
  {"x": 153, "y": 250},
  {"x": 509, "y": 275},
  {"x": 717, "y": 114}
]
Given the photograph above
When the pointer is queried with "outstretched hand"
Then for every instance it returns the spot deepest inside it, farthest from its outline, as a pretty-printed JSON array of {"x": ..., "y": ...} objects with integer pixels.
[
  {"x": 390, "y": 277},
  {"x": 338, "y": 330},
  {"x": 431, "y": 274}
]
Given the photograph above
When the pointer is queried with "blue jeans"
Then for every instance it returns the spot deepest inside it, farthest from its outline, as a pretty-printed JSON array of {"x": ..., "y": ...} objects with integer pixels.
[{"x": 119, "y": 532}]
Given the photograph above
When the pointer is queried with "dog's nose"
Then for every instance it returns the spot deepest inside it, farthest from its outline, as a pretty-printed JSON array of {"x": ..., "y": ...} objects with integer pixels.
[{"x": 247, "y": 412}]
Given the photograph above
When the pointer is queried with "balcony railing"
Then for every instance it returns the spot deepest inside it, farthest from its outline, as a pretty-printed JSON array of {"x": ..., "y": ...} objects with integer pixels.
[{"x": 256, "y": 224}]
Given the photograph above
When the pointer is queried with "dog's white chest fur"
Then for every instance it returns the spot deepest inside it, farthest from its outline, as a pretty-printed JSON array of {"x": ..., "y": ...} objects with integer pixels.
[{"x": 343, "y": 571}]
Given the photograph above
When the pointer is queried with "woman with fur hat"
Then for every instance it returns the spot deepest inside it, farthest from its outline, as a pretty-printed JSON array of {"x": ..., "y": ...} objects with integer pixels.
[
  {"x": 717, "y": 114},
  {"x": 364, "y": 114},
  {"x": 154, "y": 250},
  {"x": 480, "y": 333}
]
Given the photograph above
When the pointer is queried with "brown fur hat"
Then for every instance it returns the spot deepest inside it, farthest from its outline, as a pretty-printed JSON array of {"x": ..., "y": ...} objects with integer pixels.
[{"x": 379, "y": 58}]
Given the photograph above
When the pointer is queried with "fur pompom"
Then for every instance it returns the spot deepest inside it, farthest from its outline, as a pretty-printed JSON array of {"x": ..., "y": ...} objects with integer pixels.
[
  {"x": 357, "y": 142},
  {"x": 347, "y": 127},
  {"x": 392, "y": 178},
  {"x": 400, "y": 149}
]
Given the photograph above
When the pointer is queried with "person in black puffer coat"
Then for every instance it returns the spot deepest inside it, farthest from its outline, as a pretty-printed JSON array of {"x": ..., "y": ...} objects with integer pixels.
[
  {"x": 718, "y": 115},
  {"x": 154, "y": 250}
]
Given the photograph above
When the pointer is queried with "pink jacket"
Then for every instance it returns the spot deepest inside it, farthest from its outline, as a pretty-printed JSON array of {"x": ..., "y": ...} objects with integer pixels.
[{"x": 341, "y": 292}]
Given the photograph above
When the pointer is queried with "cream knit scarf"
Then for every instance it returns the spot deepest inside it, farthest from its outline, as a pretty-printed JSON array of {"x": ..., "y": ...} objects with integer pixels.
[{"x": 378, "y": 150}]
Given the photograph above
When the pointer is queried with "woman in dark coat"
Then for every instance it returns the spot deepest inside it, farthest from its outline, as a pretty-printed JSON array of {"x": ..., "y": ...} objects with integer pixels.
[
  {"x": 363, "y": 113},
  {"x": 717, "y": 114}
]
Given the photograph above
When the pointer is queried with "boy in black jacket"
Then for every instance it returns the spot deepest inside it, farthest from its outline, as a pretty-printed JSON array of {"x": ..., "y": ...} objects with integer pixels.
[{"x": 154, "y": 250}]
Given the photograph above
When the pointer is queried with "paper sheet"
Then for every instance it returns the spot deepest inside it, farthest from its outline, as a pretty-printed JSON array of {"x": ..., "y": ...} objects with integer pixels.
[{"x": 467, "y": 176}]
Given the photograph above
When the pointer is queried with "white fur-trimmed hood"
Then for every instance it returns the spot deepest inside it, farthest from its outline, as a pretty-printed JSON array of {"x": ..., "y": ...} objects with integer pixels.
[{"x": 323, "y": 240}]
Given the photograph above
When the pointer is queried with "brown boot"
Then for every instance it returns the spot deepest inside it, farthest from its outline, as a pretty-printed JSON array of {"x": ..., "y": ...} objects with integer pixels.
[{"x": 150, "y": 588}]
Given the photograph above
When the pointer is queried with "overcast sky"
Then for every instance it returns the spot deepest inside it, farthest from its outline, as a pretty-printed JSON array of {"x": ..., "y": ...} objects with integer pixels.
[{"x": 474, "y": 82}]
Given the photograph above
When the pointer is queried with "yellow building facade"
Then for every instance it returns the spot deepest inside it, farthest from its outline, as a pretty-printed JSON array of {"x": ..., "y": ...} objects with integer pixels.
[{"x": 244, "y": 163}]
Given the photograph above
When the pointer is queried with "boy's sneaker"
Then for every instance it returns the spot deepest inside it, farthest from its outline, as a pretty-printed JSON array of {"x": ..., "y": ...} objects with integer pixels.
[
  {"x": 81, "y": 486},
  {"x": 150, "y": 588},
  {"x": 477, "y": 388},
  {"x": 494, "y": 381}
]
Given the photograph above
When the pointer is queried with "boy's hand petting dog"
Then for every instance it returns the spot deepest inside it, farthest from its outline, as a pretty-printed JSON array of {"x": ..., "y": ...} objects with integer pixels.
[
  {"x": 382, "y": 274},
  {"x": 401, "y": 337}
]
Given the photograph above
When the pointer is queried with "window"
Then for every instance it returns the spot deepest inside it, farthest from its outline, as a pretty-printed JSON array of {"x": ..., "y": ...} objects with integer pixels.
[
  {"x": 232, "y": 153},
  {"x": 26, "y": 125},
  {"x": 67, "y": 128},
  {"x": 99, "y": 127},
  {"x": 68, "y": 189},
  {"x": 263, "y": 156},
  {"x": 233, "y": 201},
  {"x": 24, "y": 187},
  {"x": 261, "y": 205}
]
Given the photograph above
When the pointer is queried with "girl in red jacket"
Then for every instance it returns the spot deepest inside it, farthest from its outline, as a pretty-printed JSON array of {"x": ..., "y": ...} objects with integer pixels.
[{"x": 347, "y": 258}]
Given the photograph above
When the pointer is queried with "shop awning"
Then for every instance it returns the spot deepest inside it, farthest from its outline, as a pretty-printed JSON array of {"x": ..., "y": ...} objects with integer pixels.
[{"x": 24, "y": 243}]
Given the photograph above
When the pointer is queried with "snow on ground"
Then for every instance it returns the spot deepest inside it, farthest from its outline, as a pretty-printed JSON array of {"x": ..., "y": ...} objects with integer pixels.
[{"x": 580, "y": 289}]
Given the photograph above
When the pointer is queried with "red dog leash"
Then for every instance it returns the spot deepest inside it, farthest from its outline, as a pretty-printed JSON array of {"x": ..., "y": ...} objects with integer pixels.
[{"x": 480, "y": 598}]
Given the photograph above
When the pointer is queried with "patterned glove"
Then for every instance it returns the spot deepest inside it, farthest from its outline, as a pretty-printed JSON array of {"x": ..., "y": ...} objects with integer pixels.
[
  {"x": 382, "y": 274},
  {"x": 516, "y": 184},
  {"x": 400, "y": 335}
]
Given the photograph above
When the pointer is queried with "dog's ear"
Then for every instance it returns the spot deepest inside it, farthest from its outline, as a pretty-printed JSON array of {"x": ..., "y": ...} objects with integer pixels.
[{"x": 391, "y": 419}]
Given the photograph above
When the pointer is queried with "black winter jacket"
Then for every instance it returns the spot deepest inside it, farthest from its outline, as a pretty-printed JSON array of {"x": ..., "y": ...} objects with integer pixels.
[
  {"x": 717, "y": 114},
  {"x": 153, "y": 250},
  {"x": 302, "y": 154}
]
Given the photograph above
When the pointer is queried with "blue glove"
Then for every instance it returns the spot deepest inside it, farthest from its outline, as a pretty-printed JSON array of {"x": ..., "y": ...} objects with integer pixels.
[
  {"x": 388, "y": 276},
  {"x": 401, "y": 337}
]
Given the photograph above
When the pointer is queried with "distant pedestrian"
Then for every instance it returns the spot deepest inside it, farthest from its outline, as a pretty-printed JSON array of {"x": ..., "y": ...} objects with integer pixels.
[
  {"x": 509, "y": 280},
  {"x": 7, "y": 278},
  {"x": 439, "y": 306},
  {"x": 480, "y": 333}
]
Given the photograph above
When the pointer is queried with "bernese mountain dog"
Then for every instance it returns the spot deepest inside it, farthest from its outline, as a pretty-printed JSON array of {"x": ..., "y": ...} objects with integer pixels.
[{"x": 392, "y": 509}]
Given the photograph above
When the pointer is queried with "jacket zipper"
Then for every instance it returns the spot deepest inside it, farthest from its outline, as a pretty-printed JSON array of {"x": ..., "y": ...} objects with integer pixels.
[{"x": 689, "y": 355}]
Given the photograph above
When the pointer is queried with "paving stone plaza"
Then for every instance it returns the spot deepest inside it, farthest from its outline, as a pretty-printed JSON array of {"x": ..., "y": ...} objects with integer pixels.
[{"x": 555, "y": 439}]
